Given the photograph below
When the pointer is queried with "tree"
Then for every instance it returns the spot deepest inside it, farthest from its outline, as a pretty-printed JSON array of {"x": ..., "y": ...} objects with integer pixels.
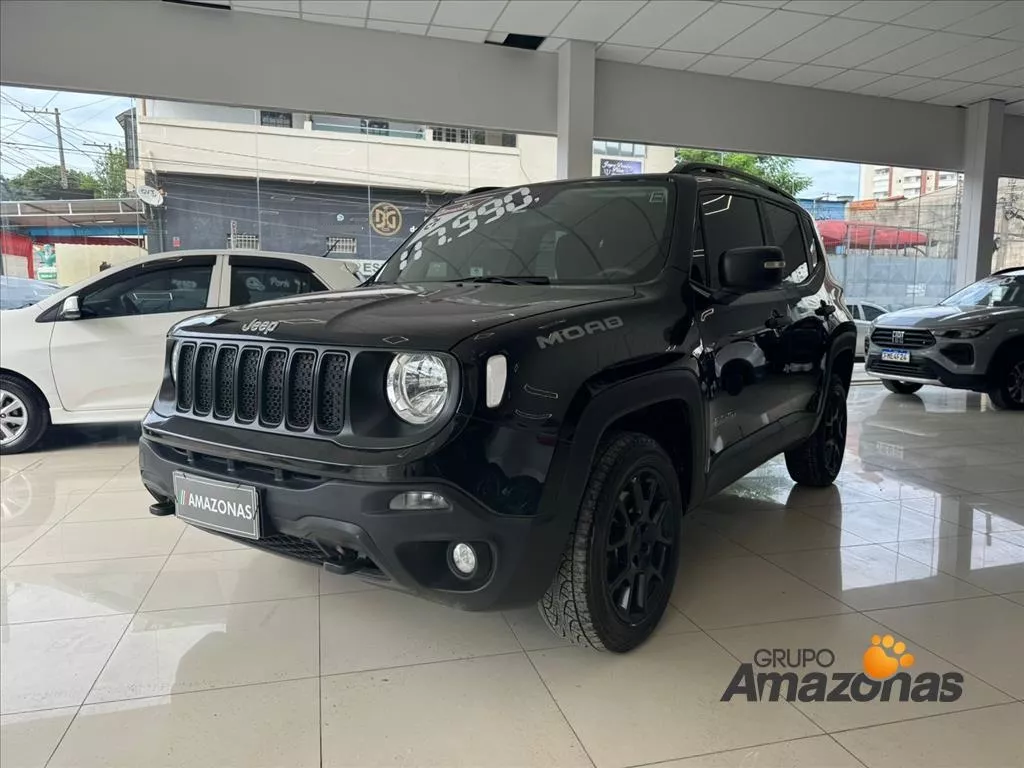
[
  {"x": 780, "y": 171},
  {"x": 43, "y": 182},
  {"x": 110, "y": 172}
]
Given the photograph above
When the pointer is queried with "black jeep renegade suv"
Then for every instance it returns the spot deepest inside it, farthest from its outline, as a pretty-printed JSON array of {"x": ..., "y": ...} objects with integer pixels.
[{"x": 525, "y": 399}]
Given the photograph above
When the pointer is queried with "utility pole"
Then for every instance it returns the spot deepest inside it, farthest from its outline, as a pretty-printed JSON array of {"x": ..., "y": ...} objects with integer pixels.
[{"x": 60, "y": 141}]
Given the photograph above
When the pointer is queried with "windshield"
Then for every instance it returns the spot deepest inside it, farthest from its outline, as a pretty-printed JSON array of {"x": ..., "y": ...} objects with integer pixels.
[
  {"x": 16, "y": 292},
  {"x": 590, "y": 232},
  {"x": 997, "y": 291}
]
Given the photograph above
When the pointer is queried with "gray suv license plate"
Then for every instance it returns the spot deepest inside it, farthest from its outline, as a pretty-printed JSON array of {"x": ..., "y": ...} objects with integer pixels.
[{"x": 226, "y": 507}]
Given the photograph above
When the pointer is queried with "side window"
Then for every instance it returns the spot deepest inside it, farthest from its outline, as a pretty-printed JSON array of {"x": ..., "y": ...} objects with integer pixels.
[
  {"x": 256, "y": 283},
  {"x": 180, "y": 288},
  {"x": 729, "y": 221},
  {"x": 854, "y": 311},
  {"x": 872, "y": 313},
  {"x": 785, "y": 232}
]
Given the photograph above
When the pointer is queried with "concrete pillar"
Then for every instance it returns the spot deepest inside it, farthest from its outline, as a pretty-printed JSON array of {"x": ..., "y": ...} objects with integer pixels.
[
  {"x": 575, "y": 109},
  {"x": 983, "y": 139}
]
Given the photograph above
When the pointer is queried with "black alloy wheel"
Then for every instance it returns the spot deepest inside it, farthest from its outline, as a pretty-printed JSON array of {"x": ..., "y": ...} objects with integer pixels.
[
  {"x": 834, "y": 435},
  {"x": 639, "y": 546},
  {"x": 818, "y": 460},
  {"x": 1009, "y": 392},
  {"x": 618, "y": 569}
]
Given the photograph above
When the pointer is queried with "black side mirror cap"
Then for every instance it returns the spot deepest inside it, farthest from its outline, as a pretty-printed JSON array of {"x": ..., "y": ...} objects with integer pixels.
[{"x": 754, "y": 268}]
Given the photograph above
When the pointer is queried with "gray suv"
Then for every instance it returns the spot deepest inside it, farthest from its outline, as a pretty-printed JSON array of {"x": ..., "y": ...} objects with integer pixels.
[{"x": 972, "y": 340}]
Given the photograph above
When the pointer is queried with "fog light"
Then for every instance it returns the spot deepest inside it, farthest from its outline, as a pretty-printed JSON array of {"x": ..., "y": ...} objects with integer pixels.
[
  {"x": 418, "y": 500},
  {"x": 463, "y": 557}
]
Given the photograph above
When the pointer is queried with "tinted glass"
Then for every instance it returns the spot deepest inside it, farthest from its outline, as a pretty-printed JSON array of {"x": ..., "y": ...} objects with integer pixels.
[
  {"x": 854, "y": 311},
  {"x": 995, "y": 291},
  {"x": 606, "y": 232},
  {"x": 729, "y": 222},
  {"x": 785, "y": 232},
  {"x": 252, "y": 284},
  {"x": 173, "y": 289},
  {"x": 871, "y": 313}
]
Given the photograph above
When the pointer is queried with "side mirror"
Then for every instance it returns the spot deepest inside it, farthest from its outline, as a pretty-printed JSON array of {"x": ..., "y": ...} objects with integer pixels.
[
  {"x": 757, "y": 268},
  {"x": 70, "y": 309}
]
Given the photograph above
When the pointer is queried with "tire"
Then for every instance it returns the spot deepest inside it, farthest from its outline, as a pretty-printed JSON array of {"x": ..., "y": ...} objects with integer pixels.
[
  {"x": 24, "y": 415},
  {"x": 1008, "y": 391},
  {"x": 901, "y": 387},
  {"x": 817, "y": 461},
  {"x": 616, "y": 529}
]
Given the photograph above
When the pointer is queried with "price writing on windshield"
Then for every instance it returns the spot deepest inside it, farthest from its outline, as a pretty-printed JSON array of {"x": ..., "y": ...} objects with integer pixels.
[{"x": 451, "y": 224}]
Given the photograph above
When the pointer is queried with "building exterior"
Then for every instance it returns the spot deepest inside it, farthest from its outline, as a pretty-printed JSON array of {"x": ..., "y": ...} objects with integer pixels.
[
  {"x": 344, "y": 187},
  {"x": 880, "y": 182}
]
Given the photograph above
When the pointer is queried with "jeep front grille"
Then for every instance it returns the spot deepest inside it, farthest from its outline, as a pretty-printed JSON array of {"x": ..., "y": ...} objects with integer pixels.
[
  {"x": 907, "y": 338},
  {"x": 298, "y": 390}
]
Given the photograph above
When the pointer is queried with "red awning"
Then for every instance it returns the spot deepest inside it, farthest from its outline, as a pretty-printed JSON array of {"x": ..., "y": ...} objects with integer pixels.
[{"x": 857, "y": 234}]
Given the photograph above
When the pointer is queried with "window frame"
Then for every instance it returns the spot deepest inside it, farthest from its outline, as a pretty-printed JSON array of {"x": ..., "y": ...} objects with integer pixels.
[
  {"x": 801, "y": 215},
  {"x": 713, "y": 281},
  {"x": 132, "y": 273},
  {"x": 262, "y": 262}
]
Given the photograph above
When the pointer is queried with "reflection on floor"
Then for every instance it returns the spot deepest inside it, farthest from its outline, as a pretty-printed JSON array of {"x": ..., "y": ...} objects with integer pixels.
[{"x": 129, "y": 640}]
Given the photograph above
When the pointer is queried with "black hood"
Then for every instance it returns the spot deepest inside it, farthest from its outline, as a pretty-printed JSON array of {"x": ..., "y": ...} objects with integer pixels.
[{"x": 435, "y": 316}]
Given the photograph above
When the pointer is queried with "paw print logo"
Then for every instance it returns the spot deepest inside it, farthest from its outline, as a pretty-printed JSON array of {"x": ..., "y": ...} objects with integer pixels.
[{"x": 885, "y": 656}]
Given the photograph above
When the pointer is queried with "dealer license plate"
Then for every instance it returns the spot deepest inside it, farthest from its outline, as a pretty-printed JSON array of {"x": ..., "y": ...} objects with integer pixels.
[
  {"x": 896, "y": 355},
  {"x": 226, "y": 507}
]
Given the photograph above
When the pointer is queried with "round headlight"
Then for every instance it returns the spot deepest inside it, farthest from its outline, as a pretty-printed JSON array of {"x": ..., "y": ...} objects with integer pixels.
[{"x": 417, "y": 387}]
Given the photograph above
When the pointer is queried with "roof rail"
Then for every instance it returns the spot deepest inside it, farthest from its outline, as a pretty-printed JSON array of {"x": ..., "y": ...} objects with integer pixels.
[
  {"x": 1006, "y": 270},
  {"x": 711, "y": 169}
]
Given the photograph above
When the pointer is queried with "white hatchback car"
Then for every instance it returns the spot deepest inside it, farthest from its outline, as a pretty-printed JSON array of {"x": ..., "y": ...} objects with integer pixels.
[{"x": 94, "y": 352}]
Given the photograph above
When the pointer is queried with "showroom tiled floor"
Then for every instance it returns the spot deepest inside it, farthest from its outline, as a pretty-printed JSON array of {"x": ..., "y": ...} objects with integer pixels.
[{"x": 129, "y": 640}]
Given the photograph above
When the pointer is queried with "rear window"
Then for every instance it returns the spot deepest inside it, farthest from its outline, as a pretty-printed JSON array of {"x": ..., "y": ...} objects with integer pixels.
[{"x": 592, "y": 232}]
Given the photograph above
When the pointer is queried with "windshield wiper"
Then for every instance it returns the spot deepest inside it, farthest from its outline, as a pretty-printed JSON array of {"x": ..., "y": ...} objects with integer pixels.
[{"x": 505, "y": 279}]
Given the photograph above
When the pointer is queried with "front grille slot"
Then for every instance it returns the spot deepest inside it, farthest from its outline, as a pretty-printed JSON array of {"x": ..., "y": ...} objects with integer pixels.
[
  {"x": 265, "y": 386},
  {"x": 910, "y": 370},
  {"x": 300, "y": 390},
  {"x": 904, "y": 338},
  {"x": 224, "y": 383},
  {"x": 204, "y": 379},
  {"x": 330, "y": 387},
  {"x": 248, "y": 384},
  {"x": 185, "y": 374},
  {"x": 272, "y": 387}
]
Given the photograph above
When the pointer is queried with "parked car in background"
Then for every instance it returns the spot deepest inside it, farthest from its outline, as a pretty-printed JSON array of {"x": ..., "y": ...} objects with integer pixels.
[
  {"x": 864, "y": 314},
  {"x": 18, "y": 292},
  {"x": 972, "y": 340},
  {"x": 93, "y": 352}
]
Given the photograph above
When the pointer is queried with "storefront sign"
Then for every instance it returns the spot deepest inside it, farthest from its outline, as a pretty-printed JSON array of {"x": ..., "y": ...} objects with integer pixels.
[{"x": 610, "y": 167}]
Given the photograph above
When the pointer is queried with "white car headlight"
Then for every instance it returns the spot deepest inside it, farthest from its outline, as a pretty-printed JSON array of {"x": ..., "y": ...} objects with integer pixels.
[{"x": 417, "y": 387}]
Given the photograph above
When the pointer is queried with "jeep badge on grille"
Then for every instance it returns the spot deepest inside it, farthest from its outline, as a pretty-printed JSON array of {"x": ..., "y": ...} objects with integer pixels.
[{"x": 255, "y": 326}]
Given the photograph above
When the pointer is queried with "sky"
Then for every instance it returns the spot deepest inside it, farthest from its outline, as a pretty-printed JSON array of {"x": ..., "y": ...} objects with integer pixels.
[
  {"x": 28, "y": 140},
  {"x": 90, "y": 118}
]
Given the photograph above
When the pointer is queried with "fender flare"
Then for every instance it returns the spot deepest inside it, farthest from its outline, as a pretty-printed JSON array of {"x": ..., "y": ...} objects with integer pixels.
[{"x": 573, "y": 459}]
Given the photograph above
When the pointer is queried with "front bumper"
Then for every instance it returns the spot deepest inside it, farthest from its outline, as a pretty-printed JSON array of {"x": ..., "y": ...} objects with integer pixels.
[
  {"x": 926, "y": 366},
  {"x": 345, "y": 525}
]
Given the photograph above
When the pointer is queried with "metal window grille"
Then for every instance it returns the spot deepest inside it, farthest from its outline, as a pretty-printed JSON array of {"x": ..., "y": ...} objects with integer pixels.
[
  {"x": 246, "y": 242},
  {"x": 341, "y": 245}
]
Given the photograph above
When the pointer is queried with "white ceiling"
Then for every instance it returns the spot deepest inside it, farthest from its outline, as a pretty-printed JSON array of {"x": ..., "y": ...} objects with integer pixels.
[{"x": 951, "y": 52}]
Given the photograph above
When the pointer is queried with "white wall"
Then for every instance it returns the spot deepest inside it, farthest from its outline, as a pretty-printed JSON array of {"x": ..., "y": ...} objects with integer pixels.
[{"x": 193, "y": 54}]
